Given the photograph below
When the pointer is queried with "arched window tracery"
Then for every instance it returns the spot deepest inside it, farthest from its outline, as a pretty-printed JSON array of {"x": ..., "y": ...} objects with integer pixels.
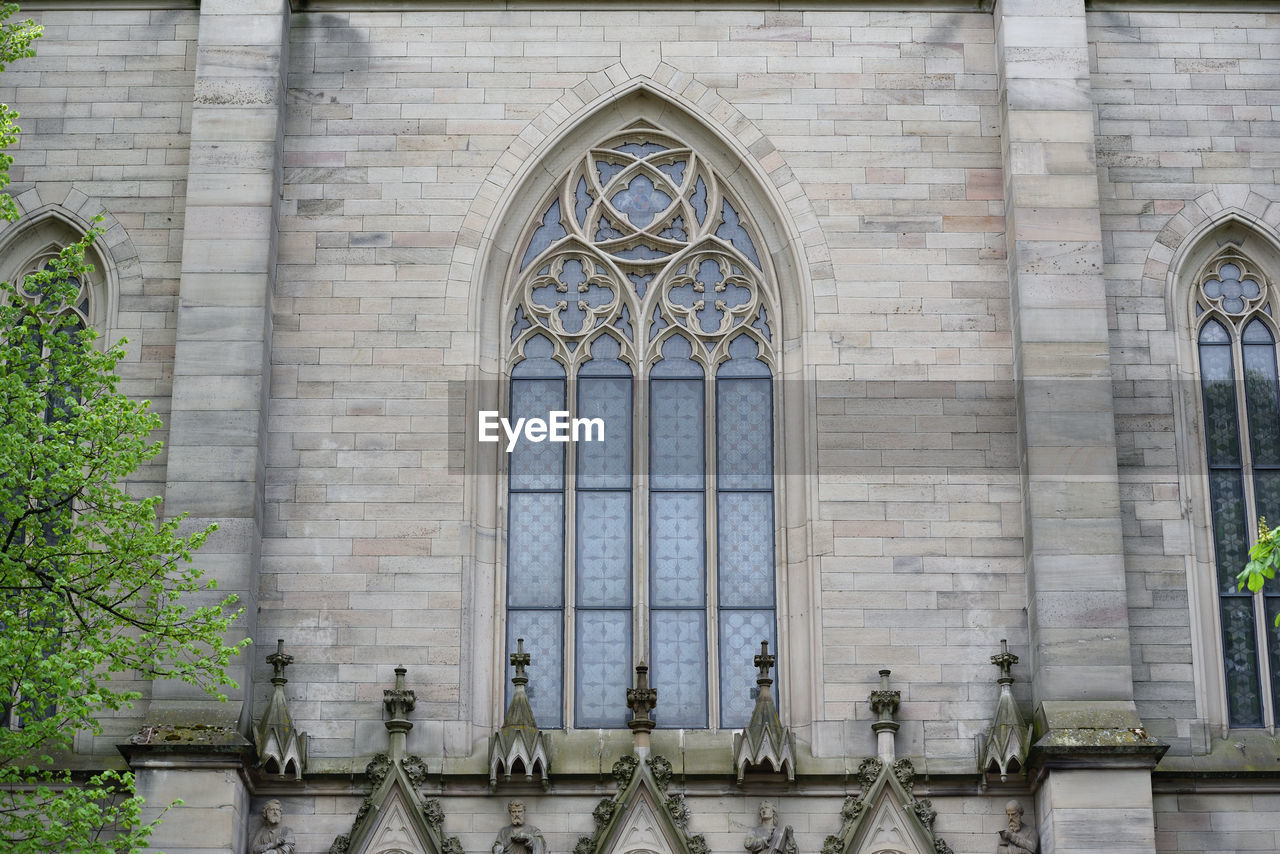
[{"x": 639, "y": 296}]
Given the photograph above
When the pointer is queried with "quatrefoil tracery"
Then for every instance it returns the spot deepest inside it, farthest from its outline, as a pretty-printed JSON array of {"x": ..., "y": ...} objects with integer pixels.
[{"x": 1231, "y": 288}]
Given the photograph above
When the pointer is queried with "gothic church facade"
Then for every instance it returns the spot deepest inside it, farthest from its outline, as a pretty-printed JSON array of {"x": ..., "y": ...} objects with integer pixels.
[{"x": 935, "y": 338}]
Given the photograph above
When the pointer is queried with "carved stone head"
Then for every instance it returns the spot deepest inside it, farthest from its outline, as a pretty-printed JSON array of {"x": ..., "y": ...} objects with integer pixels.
[
  {"x": 1013, "y": 810},
  {"x": 272, "y": 812},
  {"x": 515, "y": 809},
  {"x": 768, "y": 813}
]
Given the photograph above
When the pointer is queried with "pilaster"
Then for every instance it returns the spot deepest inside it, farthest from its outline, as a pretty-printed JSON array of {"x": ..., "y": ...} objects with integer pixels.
[{"x": 223, "y": 353}]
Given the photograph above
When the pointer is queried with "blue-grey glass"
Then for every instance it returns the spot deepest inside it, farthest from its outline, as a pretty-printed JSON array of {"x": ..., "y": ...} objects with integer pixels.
[
  {"x": 606, "y": 464},
  {"x": 740, "y": 636},
  {"x": 761, "y": 325},
  {"x": 745, "y": 535},
  {"x": 1240, "y": 649},
  {"x": 535, "y": 465},
  {"x": 641, "y": 201},
  {"x": 674, "y": 171},
  {"x": 1230, "y": 527},
  {"x": 1231, "y": 289},
  {"x": 743, "y": 360},
  {"x": 606, "y": 358},
  {"x": 640, "y": 149},
  {"x": 1266, "y": 495},
  {"x": 658, "y": 323},
  {"x": 581, "y": 201},
  {"x": 677, "y": 553},
  {"x": 1217, "y": 380},
  {"x": 1261, "y": 394},
  {"x": 535, "y": 550},
  {"x": 520, "y": 323},
  {"x": 543, "y": 633},
  {"x": 641, "y": 282},
  {"x": 606, "y": 231},
  {"x": 676, "y": 361},
  {"x": 640, "y": 252},
  {"x": 744, "y": 433},
  {"x": 603, "y": 670},
  {"x": 732, "y": 230},
  {"x": 678, "y": 655},
  {"x": 623, "y": 324},
  {"x": 674, "y": 230},
  {"x": 699, "y": 200},
  {"x": 1214, "y": 332},
  {"x": 604, "y": 549},
  {"x": 1272, "y": 609},
  {"x": 607, "y": 170},
  {"x": 545, "y": 234},
  {"x": 538, "y": 361},
  {"x": 677, "y": 452}
]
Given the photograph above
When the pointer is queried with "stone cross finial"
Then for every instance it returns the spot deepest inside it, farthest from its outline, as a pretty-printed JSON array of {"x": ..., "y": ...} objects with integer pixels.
[
  {"x": 520, "y": 660},
  {"x": 279, "y": 661},
  {"x": 641, "y": 700},
  {"x": 1005, "y": 661},
  {"x": 765, "y": 662}
]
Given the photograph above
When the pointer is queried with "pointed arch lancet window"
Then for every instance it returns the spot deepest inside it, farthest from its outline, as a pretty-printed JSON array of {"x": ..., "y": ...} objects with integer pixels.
[
  {"x": 638, "y": 297},
  {"x": 1240, "y": 397}
]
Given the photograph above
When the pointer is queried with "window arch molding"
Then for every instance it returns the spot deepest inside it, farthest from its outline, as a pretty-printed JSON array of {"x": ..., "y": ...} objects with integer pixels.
[
  {"x": 40, "y": 235},
  {"x": 781, "y": 246},
  {"x": 1229, "y": 237}
]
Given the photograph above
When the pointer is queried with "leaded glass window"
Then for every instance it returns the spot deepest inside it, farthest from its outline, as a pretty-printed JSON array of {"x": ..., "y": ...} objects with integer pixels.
[
  {"x": 639, "y": 296},
  {"x": 1240, "y": 396}
]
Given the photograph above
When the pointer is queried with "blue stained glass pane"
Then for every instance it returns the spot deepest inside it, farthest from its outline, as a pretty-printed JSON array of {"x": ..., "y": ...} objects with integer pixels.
[
  {"x": 676, "y": 441},
  {"x": 745, "y": 522},
  {"x": 1214, "y": 332},
  {"x": 605, "y": 464},
  {"x": 676, "y": 549},
  {"x": 676, "y": 351},
  {"x": 640, "y": 252},
  {"x": 761, "y": 325},
  {"x": 732, "y": 230},
  {"x": 743, "y": 361},
  {"x": 1230, "y": 537},
  {"x": 674, "y": 171},
  {"x": 640, "y": 281},
  {"x": 744, "y": 428},
  {"x": 1257, "y": 333},
  {"x": 623, "y": 323},
  {"x": 535, "y": 550},
  {"x": 535, "y": 465},
  {"x": 604, "y": 549},
  {"x": 678, "y": 652},
  {"x": 607, "y": 170},
  {"x": 1241, "y": 651},
  {"x": 1217, "y": 377},
  {"x": 606, "y": 231},
  {"x": 537, "y": 361},
  {"x": 1262, "y": 397},
  {"x": 1266, "y": 494},
  {"x": 699, "y": 200},
  {"x": 658, "y": 323},
  {"x": 543, "y": 633},
  {"x": 604, "y": 668},
  {"x": 641, "y": 201},
  {"x": 740, "y": 636},
  {"x": 675, "y": 230},
  {"x": 545, "y": 234},
  {"x": 641, "y": 149},
  {"x": 581, "y": 201}
]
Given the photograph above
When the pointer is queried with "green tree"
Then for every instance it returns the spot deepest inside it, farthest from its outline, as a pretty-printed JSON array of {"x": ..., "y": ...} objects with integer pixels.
[{"x": 96, "y": 591}]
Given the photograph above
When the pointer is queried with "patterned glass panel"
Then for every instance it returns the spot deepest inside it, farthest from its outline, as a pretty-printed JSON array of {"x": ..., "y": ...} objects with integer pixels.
[
  {"x": 744, "y": 433},
  {"x": 1218, "y": 380},
  {"x": 676, "y": 434},
  {"x": 545, "y": 234},
  {"x": 740, "y": 636},
  {"x": 745, "y": 521},
  {"x": 1272, "y": 610},
  {"x": 536, "y": 465},
  {"x": 1230, "y": 530},
  {"x": 1261, "y": 394},
  {"x": 604, "y": 668},
  {"x": 535, "y": 550},
  {"x": 606, "y": 464},
  {"x": 678, "y": 655},
  {"x": 1266, "y": 495},
  {"x": 544, "y": 641},
  {"x": 731, "y": 230},
  {"x": 1241, "y": 649},
  {"x": 604, "y": 549},
  {"x": 676, "y": 558}
]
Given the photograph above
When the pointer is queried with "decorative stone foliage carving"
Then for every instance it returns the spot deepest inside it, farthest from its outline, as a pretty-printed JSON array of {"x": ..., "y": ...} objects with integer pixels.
[
  {"x": 642, "y": 816},
  {"x": 1003, "y": 749},
  {"x": 518, "y": 747},
  {"x": 281, "y": 748},
  {"x": 765, "y": 742},
  {"x": 885, "y": 815}
]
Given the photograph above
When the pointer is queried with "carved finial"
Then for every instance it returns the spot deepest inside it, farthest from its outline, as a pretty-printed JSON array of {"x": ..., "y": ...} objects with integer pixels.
[
  {"x": 884, "y": 703},
  {"x": 641, "y": 700},
  {"x": 518, "y": 745},
  {"x": 399, "y": 700},
  {"x": 279, "y": 661},
  {"x": 765, "y": 662},
  {"x": 1005, "y": 661},
  {"x": 520, "y": 660}
]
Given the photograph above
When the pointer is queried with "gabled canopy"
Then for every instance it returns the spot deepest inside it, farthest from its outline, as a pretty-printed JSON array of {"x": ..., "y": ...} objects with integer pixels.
[
  {"x": 641, "y": 817},
  {"x": 886, "y": 818}
]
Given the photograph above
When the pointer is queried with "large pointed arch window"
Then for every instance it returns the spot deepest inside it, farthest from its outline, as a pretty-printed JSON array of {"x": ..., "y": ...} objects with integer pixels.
[
  {"x": 1236, "y": 336},
  {"x": 639, "y": 296}
]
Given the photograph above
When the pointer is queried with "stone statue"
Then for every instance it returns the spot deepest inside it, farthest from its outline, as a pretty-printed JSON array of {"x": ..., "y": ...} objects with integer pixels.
[
  {"x": 518, "y": 837},
  {"x": 1017, "y": 838},
  {"x": 767, "y": 837},
  {"x": 273, "y": 837}
]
